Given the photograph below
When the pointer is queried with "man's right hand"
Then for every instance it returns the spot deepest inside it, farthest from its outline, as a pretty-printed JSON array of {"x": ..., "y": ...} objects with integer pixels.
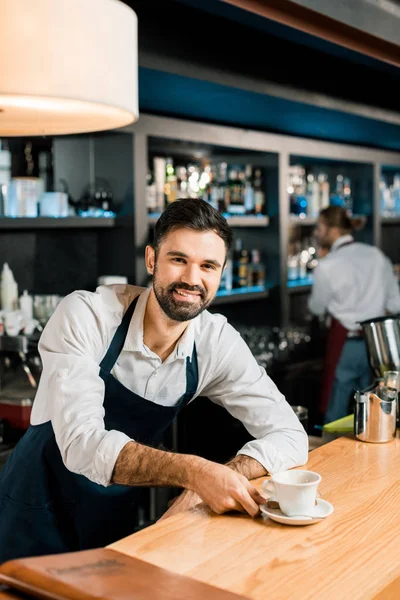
[{"x": 224, "y": 490}]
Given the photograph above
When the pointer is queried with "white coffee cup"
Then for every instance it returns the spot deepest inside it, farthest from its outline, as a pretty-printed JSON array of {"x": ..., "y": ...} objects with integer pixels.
[{"x": 296, "y": 491}]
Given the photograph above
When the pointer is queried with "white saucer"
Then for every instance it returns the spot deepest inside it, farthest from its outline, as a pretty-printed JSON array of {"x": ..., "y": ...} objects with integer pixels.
[{"x": 322, "y": 510}]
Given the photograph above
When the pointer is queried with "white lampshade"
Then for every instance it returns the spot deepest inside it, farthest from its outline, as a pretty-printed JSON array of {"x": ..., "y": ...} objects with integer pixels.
[{"x": 67, "y": 66}]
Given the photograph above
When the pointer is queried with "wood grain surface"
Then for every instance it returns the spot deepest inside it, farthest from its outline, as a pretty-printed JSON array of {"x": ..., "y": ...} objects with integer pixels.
[{"x": 354, "y": 553}]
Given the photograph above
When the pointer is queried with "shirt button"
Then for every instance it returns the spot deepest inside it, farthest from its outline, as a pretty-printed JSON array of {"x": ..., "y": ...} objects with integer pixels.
[{"x": 62, "y": 373}]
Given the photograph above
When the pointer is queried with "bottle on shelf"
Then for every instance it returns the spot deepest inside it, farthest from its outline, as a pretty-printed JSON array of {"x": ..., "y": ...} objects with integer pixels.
[
  {"x": 227, "y": 276},
  {"x": 170, "y": 187},
  {"x": 249, "y": 192},
  {"x": 256, "y": 270},
  {"x": 243, "y": 268},
  {"x": 26, "y": 306},
  {"x": 236, "y": 192},
  {"x": 297, "y": 191},
  {"x": 151, "y": 193},
  {"x": 240, "y": 264},
  {"x": 292, "y": 265},
  {"x": 181, "y": 181},
  {"x": 8, "y": 290},
  {"x": 337, "y": 197},
  {"x": 324, "y": 190},
  {"x": 159, "y": 169},
  {"x": 313, "y": 196},
  {"x": 259, "y": 195},
  {"x": 347, "y": 196}
]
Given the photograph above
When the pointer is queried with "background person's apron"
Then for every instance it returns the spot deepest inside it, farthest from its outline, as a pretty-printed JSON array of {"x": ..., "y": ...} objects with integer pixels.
[
  {"x": 337, "y": 336},
  {"x": 47, "y": 509}
]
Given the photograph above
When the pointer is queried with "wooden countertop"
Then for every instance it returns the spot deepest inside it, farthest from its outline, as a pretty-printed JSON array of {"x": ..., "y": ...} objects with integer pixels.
[{"x": 354, "y": 553}]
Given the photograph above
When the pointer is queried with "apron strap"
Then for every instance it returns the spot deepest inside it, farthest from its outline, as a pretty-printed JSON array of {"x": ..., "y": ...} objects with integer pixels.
[
  {"x": 192, "y": 379},
  {"x": 117, "y": 343}
]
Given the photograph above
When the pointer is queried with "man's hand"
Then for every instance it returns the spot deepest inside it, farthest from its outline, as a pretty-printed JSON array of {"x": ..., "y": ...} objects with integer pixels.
[
  {"x": 244, "y": 465},
  {"x": 224, "y": 490},
  {"x": 185, "y": 501}
]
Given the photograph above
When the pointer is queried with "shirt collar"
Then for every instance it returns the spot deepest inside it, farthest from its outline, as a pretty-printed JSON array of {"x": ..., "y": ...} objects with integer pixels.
[
  {"x": 134, "y": 338},
  {"x": 344, "y": 239}
]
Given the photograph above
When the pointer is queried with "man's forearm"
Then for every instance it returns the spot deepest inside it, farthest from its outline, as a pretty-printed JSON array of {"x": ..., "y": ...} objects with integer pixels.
[
  {"x": 247, "y": 466},
  {"x": 146, "y": 466}
]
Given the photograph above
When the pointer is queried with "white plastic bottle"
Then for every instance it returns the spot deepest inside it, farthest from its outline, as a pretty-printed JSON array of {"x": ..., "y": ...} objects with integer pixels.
[
  {"x": 8, "y": 289},
  {"x": 26, "y": 306}
]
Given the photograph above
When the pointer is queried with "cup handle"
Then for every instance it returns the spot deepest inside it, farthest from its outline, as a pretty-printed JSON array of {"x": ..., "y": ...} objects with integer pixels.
[{"x": 269, "y": 487}]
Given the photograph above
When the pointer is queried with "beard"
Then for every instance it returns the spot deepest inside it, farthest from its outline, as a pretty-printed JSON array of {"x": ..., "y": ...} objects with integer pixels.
[{"x": 180, "y": 311}]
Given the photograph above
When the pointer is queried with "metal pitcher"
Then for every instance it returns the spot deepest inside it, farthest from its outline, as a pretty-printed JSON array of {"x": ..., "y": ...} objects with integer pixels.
[
  {"x": 382, "y": 336},
  {"x": 375, "y": 415}
]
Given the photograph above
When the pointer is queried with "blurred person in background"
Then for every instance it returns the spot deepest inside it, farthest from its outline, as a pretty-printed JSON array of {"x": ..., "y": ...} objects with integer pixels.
[{"x": 352, "y": 283}]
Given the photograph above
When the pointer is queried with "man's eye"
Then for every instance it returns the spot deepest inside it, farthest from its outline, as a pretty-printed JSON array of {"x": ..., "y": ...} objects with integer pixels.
[
  {"x": 209, "y": 267},
  {"x": 179, "y": 260}
]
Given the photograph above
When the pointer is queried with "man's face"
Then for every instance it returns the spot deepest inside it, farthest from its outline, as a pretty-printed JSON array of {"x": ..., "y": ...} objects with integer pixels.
[
  {"x": 322, "y": 234},
  {"x": 186, "y": 271}
]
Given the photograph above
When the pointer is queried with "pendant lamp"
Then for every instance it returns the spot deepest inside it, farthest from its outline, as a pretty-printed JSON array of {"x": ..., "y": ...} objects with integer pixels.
[{"x": 67, "y": 66}]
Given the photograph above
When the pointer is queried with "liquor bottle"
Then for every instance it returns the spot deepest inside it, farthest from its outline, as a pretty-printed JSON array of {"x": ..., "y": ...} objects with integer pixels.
[
  {"x": 297, "y": 190},
  {"x": 236, "y": 192},
  {"x": 170, "y": 188},
  {"x": 227, "y": 276},
  {"x": 223, "y": 188},
  {"x": 337, "y": 197},
  {"x": 313, "y": 195},
  {"x": 347, "y": 197},
  {"x": 181, "y": 182},
  {"x": 237, "y": 249},
  {"x": 259, "y": 196},
  {"x": 151, "y": 193},
  {"x": 243, "y": 268},
  {"x": 249, "y": 195},
  {"x": 159, "y": 167},
  {"x": 256, "y": 270},
  {"x": 324, "y": 190}
]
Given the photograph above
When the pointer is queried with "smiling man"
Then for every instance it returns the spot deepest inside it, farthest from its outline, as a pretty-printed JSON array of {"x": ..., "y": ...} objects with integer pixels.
[{"x": 118, "y": 366}]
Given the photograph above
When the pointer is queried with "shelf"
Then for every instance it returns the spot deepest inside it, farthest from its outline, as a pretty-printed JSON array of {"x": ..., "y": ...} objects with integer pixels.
[
  {"x": 55, "y": 222},
  {"x": 294, "y": 220},
  {"x": 242, "y": 294},
  {"x": 300, "y": 285},
  {"x": 391, "y": 220},
  {"x": 239, "y": 221}
]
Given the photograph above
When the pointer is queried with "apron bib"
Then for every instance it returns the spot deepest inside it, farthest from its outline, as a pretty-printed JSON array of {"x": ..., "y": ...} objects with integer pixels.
[{"x": 47, "y": 509}]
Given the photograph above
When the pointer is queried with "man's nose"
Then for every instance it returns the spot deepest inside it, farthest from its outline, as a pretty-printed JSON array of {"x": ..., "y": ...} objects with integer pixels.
[{"x": 191, "y": 275}]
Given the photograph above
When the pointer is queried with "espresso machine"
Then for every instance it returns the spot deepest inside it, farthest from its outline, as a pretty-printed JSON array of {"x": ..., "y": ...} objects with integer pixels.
[
  {"x": 20, "y": 369},
  {"x": 377, "y": 409}
]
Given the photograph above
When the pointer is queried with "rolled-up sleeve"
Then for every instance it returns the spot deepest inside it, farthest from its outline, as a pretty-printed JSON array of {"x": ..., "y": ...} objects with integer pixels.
[
  {"x": 248, "y": 393},
  {"x": 71, "y": 347}
]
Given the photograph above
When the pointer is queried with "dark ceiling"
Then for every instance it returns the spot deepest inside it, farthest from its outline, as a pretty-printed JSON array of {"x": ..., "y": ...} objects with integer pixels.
[{"x": 216, "y": 36}]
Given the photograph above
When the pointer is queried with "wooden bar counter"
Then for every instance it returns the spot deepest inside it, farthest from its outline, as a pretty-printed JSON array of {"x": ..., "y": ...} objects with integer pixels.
[{"x": 354, "y": 553}]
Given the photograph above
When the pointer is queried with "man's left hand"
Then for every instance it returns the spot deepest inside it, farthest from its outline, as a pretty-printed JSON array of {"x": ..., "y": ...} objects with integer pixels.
[{"x": 185, "y": 501}]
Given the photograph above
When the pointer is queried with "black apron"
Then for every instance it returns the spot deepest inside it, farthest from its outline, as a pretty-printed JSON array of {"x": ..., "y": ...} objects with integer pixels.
[{"x": 47, "y": 509}]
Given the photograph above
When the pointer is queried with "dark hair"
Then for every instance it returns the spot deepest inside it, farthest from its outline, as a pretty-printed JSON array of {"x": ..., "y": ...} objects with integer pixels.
[
  {"x": 336, "y": 216},
  {"x": 194, "y": 214}
]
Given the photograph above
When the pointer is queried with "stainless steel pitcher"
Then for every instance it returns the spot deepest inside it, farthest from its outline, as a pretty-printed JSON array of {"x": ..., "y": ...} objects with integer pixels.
[
  {"x": 375, "y": 415},
  {"x": 382, "y": 336}
]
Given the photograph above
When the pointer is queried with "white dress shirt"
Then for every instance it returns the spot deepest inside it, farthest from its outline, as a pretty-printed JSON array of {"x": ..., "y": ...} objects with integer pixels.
[
  {"x": 71, "y": 392},
  {"x": 354, "y": 283}
]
